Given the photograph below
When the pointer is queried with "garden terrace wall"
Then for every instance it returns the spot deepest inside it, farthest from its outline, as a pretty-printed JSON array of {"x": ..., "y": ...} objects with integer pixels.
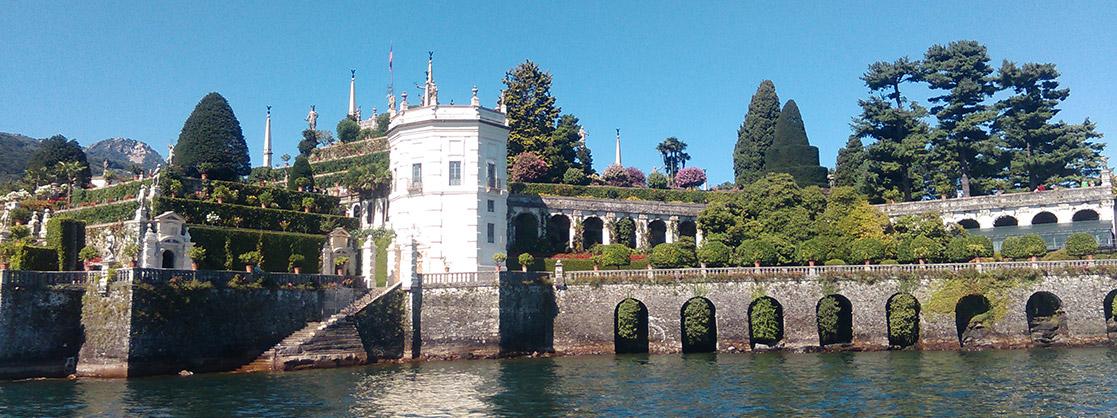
[
  {"x": 346, "y": 149},
  {"x": 239, "y": 216},
  {"x": 40, "y": 327},
  {"x": 224, "y": 246},
  {"x": 101, "y": 214},
  {"x": 284, "y": 198},
  {"x": 115, "y": 193}
]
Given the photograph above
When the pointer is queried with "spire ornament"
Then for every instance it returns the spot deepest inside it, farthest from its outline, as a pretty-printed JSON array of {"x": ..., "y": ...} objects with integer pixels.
[{"x": 267, "y": 139}]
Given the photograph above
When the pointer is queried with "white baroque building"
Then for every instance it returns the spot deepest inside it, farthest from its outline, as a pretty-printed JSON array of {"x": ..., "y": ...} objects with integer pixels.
[{"x": 448, "y": 201}]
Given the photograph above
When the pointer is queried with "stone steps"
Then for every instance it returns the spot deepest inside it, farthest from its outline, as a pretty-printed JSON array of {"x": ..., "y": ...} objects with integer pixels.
[{"x": 337, "y": 336}]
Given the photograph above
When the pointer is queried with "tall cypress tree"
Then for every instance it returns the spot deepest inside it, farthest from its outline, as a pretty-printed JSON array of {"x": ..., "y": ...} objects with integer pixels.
[
  {"x": 1040, "y": 150},
  {"x": 212, "y": 135},
  {"x": 791, "y": 151},
  {"x": 850, "y": 167},
  {"x": 531, "y": 108},
  {"x": 756, "y": 134},
  {"x": 301, "y": 170}
]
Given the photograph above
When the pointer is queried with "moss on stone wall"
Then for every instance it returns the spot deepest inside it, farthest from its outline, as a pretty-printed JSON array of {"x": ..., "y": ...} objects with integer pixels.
[
  {"x": 993, "y": 284},
  {"x": 764, "y": 322},
  {"x": 903, "y": 320}
]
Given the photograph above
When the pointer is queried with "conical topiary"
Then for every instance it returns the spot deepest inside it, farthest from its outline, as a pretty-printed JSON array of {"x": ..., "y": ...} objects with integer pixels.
[
  {"x": 212, "y": 135},
  {"x": 792, "y": 153}
]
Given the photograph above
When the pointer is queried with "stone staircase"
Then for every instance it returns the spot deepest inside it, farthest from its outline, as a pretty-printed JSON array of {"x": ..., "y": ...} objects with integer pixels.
[{"x": 333, "y": 342}]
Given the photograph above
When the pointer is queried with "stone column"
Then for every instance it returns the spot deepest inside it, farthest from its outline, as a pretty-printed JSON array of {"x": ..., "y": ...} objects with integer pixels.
[
  {"x": 368, "y": 262},
  {"x": 698, "y": 236},
  {"x": 605, "y": 238},
  {"x": 672, "y": 229},
  {"x": 641, "y": 228},
  {"x": 573, "y": 230}
]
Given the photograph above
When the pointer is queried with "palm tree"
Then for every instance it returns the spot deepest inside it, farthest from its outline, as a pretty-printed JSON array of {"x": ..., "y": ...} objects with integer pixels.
[
  {"x": 370, "y": 180},
  {"x": 71, "y": 170},
  {"x": 674, "y": 155}
]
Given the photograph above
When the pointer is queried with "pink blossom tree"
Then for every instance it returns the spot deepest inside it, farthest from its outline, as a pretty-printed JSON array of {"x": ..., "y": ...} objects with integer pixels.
[
  {"x": 528, "y": 167},
  {"x": 690, "y": 177}
]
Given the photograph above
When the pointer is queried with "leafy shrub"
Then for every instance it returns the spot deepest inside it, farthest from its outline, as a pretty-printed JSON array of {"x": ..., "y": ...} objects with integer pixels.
[
  {"x": 30, "y": 257},
  {"x": 829, "y": 313},
  {"x": 903, "y": 320},
  {"x": 889, "y": 262},
  {"x": 867, "y": 249},
  {"x": 500, "y": 257},
  {"x": 628, "y": 320},
  {"x": 347, "y": 130},
  {"x": 618, "y": 176},
  {"x": 769, "y": 250},
  {"x": 764, "y": 322},
  {"x": 1023, "y": 246},
  {"x": 835, "y": 262},
  {"x": 673, "y": 255},
  {"x": 66, "y": 237},
  {"x": 528, "y": 166},
  {"x": 295, "y": 260},
  {"x": 88, "y": 253},
  {"x": 575, "y": 176},
  {"x": 815, "y": 249},
  {"x": 689, "y": 177},
  {"x": 927, "y": 249},
  {"x": 657, "y": 180},
  {"x": 714, "y": 253},
  {"x": 1081, "y": 244},
  {"x": 525, "y": 259},
  {"x": 250, "y": 258},
  {"x": 965, "y": 248},
  {"x": 613, "y": 255},
  {"x": 196, "y": 253},
  {"x": 698, "y": 327}
]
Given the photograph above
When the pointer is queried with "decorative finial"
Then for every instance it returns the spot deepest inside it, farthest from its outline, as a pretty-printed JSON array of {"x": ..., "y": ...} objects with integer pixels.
[
  {"x": 269, "y": 110},
  {"x": 403, "y": 101},
  {"x": 474, "y": 101},
  {"x": 352, "y": 73}
]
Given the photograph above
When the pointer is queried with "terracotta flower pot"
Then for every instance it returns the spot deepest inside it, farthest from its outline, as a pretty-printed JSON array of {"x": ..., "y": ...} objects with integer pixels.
[
  {"x": 306, "y": 210},
  {"x": 248, "y": 268},
  {"x": 340, "y": 271},
  {"x": 194, "y": 265},
  {"x": 297, "y": 270}
]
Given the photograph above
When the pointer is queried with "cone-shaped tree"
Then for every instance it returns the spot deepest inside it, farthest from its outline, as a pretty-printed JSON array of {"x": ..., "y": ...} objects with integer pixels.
[
  {"x": 301, "y": 170},
  {"x": 212, "y": 135},
  {"x": 756, "y": 134},
  {"x": 791, "y": 152}
]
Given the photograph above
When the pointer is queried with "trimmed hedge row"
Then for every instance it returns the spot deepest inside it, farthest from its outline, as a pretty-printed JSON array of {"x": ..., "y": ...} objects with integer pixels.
[
  {"x": 30, "y": 257},
  {"x": 610, "y": 192},
  {"x": 101, "y": 214},
  {"x": 224, "y": 247},
  {"x": 237, "y": 216},
  {"x": 284, "y": 198},
  {"x": 66, "y": 237},
  {"x": 581, "y": 264},
  {"x": 120, "y": 191},
  {"x": 345, "y": 149},
  {"x": 339, "y": 165}
]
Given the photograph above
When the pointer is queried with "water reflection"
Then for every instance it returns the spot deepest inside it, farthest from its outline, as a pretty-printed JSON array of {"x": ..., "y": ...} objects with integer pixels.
[{"x": 1032, "y": 382}]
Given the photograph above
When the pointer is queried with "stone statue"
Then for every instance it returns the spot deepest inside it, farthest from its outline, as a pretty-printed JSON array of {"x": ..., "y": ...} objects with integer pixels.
[
  {"x": 582, "y": 135},
  {"x": 358, "y": 115},
  {"x": 170, "y": 153},
  {"x": 312, "y": 119}
]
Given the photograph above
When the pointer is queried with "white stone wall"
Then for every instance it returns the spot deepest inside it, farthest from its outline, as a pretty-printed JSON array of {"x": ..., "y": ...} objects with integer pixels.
[{"x": 439, "y": 226}]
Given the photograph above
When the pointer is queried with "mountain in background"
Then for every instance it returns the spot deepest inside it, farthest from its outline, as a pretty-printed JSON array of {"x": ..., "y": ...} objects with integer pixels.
[{"x": 122, "y": 153}]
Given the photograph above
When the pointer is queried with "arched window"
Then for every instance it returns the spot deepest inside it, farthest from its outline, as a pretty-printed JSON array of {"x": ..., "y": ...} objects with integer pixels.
[
  {"x": 1044, "y": 218},
  {"x": 1005, "y": 221},
  {"x": 168, "y": 259},
  {"x": 1085, "y": 215}
]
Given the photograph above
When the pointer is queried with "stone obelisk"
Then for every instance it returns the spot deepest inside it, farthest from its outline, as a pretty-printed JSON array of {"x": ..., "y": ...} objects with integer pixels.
[{"x": 267, "y": 139}]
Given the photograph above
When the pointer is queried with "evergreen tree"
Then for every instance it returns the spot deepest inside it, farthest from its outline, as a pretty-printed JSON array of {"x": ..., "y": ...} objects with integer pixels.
[
  {"x": 308, "y": 143},
  {"x": 674, "y": 155},
  {"x": 531, "y": 108},
  {"x": 561, "y": 151},
  {"x": 301, "y": 170},
  {"x": 850, "y": 167},
  {"x": 1041, "y": 151},
  {"x": 963, "y": 153},
  {"x": 348, "y": 129},
  {"x": 756, "y": 134},
  {"x": 55, "y": 150},
  {"x": 791, "y": 152},
  {"x": 212, "y": 135}
]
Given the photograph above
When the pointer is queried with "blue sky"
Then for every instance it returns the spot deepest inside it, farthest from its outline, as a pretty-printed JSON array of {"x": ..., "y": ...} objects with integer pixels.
[{"x": 93, "y": 70}]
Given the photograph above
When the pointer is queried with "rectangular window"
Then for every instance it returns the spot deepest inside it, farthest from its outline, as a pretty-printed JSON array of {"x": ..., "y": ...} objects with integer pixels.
[
  {"x": 490, "y": 233},
  {"x": 455, "y": 173},
  {"x": 491, "y": 205},
  {"x": 417, "y": 173},
  {"x": 492, "y": 175}
]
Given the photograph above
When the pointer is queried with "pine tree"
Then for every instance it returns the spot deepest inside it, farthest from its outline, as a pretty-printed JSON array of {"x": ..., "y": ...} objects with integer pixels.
[
  {"x": 963, "y": 153},
  {"x": 756, "y": 134},
  {"x": 791, "y": 151},
  {"x": 531, "y": 108},
  {"x": 850, "y": 169},
  {"x": 55, "y": 150},
  {"x": 212, "y": 135},
  {"x": 561, "y": 150},
  {"x": 1041, "y": 151},
  {"x": 300, "y": 170}
]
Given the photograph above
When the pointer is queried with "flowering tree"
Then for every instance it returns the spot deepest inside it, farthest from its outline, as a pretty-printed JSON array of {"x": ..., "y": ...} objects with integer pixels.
[
  {"x": 616, "y": 175},
  {"x": 635, "y": 177},
  {"x": 528, "y": 167},
  {"x": 690, "y": 177}
]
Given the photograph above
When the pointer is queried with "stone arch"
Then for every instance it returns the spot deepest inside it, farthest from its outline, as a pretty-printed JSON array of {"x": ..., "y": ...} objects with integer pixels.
[
  {"x": 525, "y": 227},
  {"x": 1005, "y": 220},
  {"x": 687, "y": 228},
  {"x": 558, "y": 231},
  {"x": 834, "y": 315},
  {"x": 168, "y": 259},
  {"x": 1044, "y": 217},
  {"x": 592, "y": 228},
  {"x": 969, "y": 224},
  {"x": 630, "y": 327},
  {"x": 657, "y": 232},
  {"x": 765, "y": 321},
  {"x": 698, "y": 320},
  {"x": 1107, "y": 310},
  {"x": 902, "y": 313},
  {"x": 972, "y": 312},
  {"x": 355, "y": 211},
  {"x": 626, "y": 232},
  {"x": 1085, "y": 215},
  {"x": 1046, "y": 318}
]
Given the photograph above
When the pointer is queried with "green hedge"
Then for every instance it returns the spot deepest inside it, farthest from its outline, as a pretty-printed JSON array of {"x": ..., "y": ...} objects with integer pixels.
[
  {"x": 66, "y": 237},
  {"x": 238, "y": 216},
  {"x": 578, "y": 264},
  {"x": 609, "y": 192},
  {"x": 30, "y": 257},
  {"x": 114, "y": 193},
  {"x": 342, "y": 150},
  {"x": 224, "y": 247},
  {"x": 344, "y": 164},
  {"x": 284, "y": 198},
  {"x": 102, "y": 214}
]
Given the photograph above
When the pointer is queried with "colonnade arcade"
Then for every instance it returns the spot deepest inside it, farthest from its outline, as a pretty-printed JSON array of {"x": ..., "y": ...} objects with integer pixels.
[{"x": 566, "y": 224}]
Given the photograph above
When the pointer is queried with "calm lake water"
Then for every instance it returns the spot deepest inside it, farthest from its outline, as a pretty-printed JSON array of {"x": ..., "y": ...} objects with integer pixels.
[{"x": 1068, "y": 382}]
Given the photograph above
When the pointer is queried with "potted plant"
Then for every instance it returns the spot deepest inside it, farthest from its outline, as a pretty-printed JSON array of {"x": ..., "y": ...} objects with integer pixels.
[
  {"x": 5, "y": 255},
  {"x": 222, "y": 192},
  {"x": 499, "y": 258},
  {"x": 204, "y": 169},
  {"x": 308, "y": 204},
  {"x": 525, "y": 260},
  {"x": 129, "y": 254},
  {"x": 266, "y": 199},
  {"x": 196, "y": 253},
  {"x": 250, "y": 259},
  {"x": 295, "y": 263},
  {"x": 87, "y": 254},
  {"x": 301, "y": 183},
  {"x": 340, "y": 263}
]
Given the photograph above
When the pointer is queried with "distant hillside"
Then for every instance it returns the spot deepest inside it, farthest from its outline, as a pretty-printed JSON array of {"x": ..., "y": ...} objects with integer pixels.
[
  {"x": 15, "y": 150},
  {"x": 121, "y": 153}
]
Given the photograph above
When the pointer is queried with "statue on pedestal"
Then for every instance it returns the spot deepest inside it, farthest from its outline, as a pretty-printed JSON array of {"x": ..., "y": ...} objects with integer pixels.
[{"x": 312, "y": 119}]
